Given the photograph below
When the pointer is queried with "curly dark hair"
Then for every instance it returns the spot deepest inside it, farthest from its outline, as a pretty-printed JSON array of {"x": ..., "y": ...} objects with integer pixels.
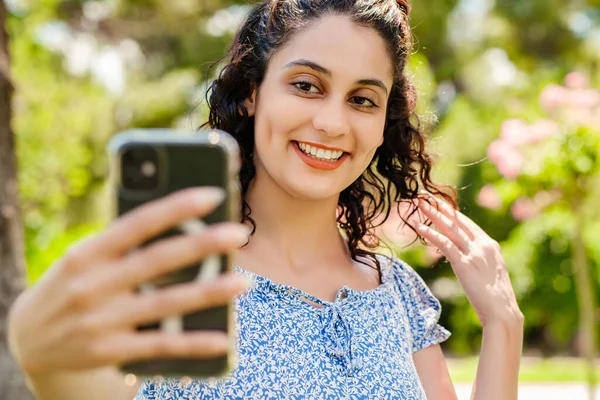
[{"x": 400, "y": 168}]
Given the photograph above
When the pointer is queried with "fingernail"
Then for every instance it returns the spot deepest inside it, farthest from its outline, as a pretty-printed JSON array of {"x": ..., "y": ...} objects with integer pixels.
[
  {"x": 237, "y": 282},
  {"x": 240, "y": 235},
  {"x": 212, "y": 194},
  {"x": 221, "y": 344}
]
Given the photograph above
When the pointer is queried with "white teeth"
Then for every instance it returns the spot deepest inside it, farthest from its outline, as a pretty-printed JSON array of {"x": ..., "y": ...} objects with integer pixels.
[{"x": 319, "y": 153}]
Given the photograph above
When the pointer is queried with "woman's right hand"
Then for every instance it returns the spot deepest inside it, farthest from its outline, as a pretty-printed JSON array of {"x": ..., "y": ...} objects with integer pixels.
[{"x": 82, "y": 314}]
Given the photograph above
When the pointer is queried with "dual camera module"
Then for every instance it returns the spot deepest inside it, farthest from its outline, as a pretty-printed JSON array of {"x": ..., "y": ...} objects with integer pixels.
[{"x": 140, "y": 168}]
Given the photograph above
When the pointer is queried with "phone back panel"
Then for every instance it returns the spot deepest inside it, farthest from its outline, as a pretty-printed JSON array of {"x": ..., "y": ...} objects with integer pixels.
[{"x": 181, "y": 161}]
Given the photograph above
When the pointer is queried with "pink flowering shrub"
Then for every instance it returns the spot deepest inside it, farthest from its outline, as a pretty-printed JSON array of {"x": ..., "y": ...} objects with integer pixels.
[
  {"x": 548, "y": 179},
  {"x": 543, "y": 161}
]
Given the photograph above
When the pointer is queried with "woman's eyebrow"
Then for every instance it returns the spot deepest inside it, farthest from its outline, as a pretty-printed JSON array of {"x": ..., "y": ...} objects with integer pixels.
[
  {"x": 373, "y": 82},
  {"x": 309, "y": 64},
  {"x": 314, "y": 66}
]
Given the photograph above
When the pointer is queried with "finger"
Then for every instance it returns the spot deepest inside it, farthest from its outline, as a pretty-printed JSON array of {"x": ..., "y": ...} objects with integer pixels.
[
  {"x": 153, "y": 218},
  {"x": 134, "y": 310},
  {"x": 169, "y": 255},
  {"x": 158, "y": 259},
  {"x": 445, "y": 245},
  {"x": 128, "y": 347},
  {"x": 474, "y": 229},
  {"x": 470, "y": 228},
  {"x": 450, "y": 228}
]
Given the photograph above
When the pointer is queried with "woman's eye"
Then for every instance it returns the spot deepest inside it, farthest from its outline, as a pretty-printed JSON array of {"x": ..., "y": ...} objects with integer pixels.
[
  {"x": 306, "y": 87},
  {"x": 363, "y": 101}
]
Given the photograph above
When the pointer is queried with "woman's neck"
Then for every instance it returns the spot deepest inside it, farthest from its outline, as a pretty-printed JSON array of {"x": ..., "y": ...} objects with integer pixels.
[{"x": 291, "y": 233}]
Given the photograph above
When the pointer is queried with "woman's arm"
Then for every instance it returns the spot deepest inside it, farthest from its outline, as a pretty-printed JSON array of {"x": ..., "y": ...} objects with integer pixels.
[
  {"x": 433, "y": 373},
  {"x": 497, "y": 371},
  {"x": 477, "y": 262},
  {"x": 498, "y": 368}
]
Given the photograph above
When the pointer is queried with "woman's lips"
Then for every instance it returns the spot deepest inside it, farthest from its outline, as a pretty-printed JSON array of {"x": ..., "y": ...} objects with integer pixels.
[{"x": 319, "y": 164}]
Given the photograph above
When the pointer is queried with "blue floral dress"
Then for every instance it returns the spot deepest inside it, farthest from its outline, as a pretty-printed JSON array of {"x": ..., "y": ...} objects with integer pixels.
[{"x": 357, "y": 347}]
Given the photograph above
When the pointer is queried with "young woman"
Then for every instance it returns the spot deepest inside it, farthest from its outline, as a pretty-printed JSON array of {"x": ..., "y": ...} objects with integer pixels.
[{"x": 315, "y": 94}]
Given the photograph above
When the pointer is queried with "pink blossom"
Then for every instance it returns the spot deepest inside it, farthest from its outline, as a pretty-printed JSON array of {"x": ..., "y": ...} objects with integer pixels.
[
  {"x": 514, "y": 131},
  {"x": 553, "y": 96},
  {"x": 583, "y": 98},
  {"x": 576, "y": 80},
  {"x": 489, "y": 198},
  {"x": 510, "y": 166},
  {"x": 542, "y": 129},
  {"x": 508, "y": 159},
  {"x": 497, "y": 149},
  {"x": 524, "y": 208}
]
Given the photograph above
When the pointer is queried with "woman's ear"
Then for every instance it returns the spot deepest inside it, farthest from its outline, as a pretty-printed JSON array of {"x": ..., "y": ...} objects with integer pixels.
[{"x": 250, "y": 103}]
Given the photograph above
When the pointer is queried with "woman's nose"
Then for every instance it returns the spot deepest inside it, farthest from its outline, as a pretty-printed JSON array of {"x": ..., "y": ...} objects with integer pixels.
[{"x": 331, "y": 117}]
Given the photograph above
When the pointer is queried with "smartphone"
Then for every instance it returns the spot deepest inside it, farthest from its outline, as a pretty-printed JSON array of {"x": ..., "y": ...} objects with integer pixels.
[{"x": 147, "y": 164}]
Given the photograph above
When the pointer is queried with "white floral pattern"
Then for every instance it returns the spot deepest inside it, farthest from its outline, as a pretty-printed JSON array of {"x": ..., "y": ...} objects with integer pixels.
[{"x": 358, "y": 347}]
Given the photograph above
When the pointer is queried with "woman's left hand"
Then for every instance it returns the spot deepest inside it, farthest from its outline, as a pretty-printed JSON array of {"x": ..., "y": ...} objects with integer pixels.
[{"x": 476, "y": 260}]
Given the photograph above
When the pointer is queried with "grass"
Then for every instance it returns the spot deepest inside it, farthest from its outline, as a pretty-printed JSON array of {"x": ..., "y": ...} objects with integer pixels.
[{"x": 555, "y": 369}]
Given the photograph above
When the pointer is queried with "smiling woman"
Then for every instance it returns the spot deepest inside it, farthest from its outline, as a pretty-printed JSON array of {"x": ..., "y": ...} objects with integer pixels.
[{"x": 316, "y": 96}]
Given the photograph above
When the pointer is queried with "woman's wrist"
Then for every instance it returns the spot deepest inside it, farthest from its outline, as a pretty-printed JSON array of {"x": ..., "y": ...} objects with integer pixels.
[
  {"x": 511, "y": 320},
  {"x": 506, "y": 333}
]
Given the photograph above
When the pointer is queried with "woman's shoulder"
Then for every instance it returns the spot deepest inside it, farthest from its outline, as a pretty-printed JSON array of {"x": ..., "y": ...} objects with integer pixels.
[
  {"x": 395, "y": 269},
  {"x": 406, "y": 280}
]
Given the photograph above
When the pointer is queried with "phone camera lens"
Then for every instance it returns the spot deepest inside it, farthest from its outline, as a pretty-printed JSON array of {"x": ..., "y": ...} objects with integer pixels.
[
  {"x": 148, "y": 169},
  {"x": 139, "y": 168}
]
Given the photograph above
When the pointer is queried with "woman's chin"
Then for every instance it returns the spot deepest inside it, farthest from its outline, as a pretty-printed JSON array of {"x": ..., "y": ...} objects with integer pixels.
[{"x": 314, "y": 190}]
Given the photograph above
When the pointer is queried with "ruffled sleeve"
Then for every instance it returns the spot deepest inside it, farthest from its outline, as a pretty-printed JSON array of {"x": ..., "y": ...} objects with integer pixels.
[{"x": 422, "y": 306}]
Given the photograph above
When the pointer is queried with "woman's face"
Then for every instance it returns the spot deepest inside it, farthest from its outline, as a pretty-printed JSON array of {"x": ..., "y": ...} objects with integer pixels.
[{"x": 324, "y": 93}]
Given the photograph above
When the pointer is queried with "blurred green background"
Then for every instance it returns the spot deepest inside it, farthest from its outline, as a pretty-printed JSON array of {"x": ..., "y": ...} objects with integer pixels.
[{"x": 488, "y": 72}]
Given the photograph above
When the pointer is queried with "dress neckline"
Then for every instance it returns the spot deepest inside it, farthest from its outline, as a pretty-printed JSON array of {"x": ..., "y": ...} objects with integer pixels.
[{"x": 344, "y": 294}]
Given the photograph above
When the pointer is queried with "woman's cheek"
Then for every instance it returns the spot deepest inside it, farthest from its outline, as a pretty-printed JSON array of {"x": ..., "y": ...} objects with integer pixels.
[
  {"x": 290, "y": 112},
  {"x": 370, "y": 134}
]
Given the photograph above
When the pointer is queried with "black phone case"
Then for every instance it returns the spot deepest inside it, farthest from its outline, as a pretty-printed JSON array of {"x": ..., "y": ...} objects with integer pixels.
[{"x": 204, "y": 158}]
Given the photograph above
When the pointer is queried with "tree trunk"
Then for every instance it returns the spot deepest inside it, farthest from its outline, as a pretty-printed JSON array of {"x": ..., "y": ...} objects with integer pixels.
[
  {"x": 12, "y": 263},
  {"x": 586, "y": 299}
]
